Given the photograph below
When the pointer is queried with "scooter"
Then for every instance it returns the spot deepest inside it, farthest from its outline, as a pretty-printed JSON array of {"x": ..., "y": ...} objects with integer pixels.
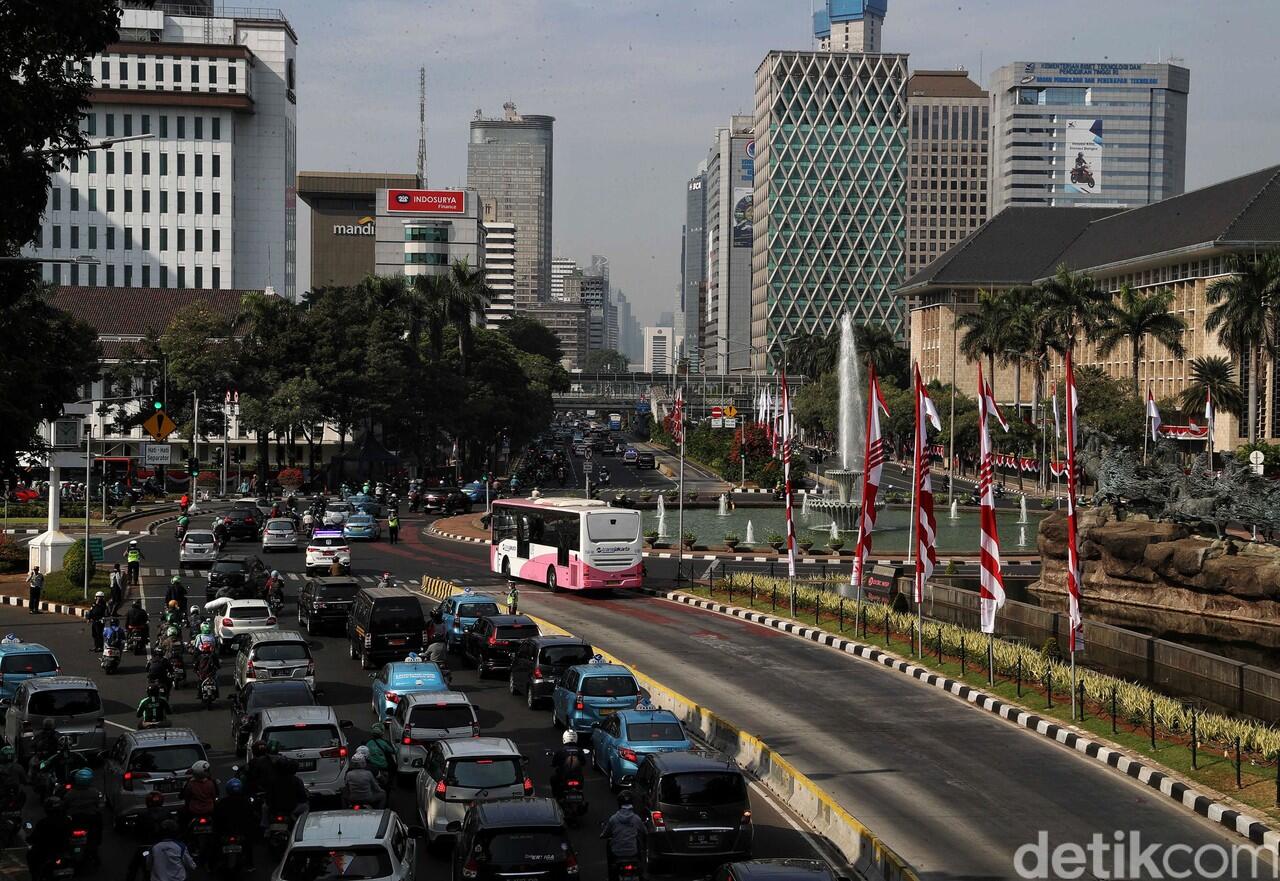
[
  {"x": 135, "y": 639},
  {"x": 209, "y": 691},
  {"x": 11, "y": 802},
  {"x": 277, "y": 836},
  {"x": 627, "y": 869},
  {"x": 199, "y": 834},
  {"x": 230, "y": 855},
  {"x": 110, "y": 660}
]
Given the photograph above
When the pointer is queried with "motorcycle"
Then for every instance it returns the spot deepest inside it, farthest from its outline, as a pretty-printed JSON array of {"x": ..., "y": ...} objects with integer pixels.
[
  {"x": 135, "y": 639},
  {"x": 199, "y": 834},
  {"x": 209, "y": 691},
  {"x": 275, "y": 600},
  {"x": 571, "y": 796},
  {"x": 180, "y": 532},
  {"x": 11, "y": 816},
  {"x": 627, "y": 869},
  {"x": 177, "y": 671},
  {"x": 230, "y": 853},
  {"x": 277, "y": 836},
  {"x": 110, "y": 660}
]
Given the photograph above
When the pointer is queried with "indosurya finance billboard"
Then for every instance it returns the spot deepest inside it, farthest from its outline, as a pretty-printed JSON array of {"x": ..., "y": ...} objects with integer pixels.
[{"x": 426, "y": 201}]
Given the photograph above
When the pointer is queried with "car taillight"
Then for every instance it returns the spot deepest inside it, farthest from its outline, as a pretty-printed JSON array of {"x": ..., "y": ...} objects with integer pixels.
[
  {"x": 469, "y": 868},
  {"x": 440, "y": 789},
  {"x": 493, "y": 640},
  {"x": 79, "y": 833},
  {"x": 278, "y": 819},
  {"x": 537, "y": 672},
  {"x": 271, "y": 620},
  {"x": 627, "y": 755},
  {"x": 393, "y": 697},
  {"x": 571, "y": 864},
  {"x": 746, "y": 816},
  {"x": 227, "y": 622},
  {"x": 127, "y": 780},
  {"x": 658, "y": 822},
  {"x": 311, "y": 668},
  {"x": 249, "y": 672},
  {"x": 407, "y": 741},
  {"x": 578, "y": 704},
  {"x": 573, "y": 782},
  {"x": 334, "y": 752},
  {"x": 203, "y": 821},
  {"x": 528, "y": 786}
]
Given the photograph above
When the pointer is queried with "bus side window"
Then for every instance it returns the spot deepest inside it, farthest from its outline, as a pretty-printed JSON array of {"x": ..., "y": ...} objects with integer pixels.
[{"x": 504, "y": 524}]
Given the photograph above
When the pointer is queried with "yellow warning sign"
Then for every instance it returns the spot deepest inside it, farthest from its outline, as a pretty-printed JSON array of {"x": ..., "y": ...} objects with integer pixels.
[
  {"x": 730, "y": 411},
  {"x": 159, "y": 426}
]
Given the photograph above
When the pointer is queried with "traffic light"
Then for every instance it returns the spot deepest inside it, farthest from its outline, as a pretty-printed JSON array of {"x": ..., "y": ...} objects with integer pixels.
[
  {"x": 157, "y": 405},
  {"x": 237, "y": 455},
  {"x": 193, "y": 467},
  {"x": 217, "y": 457}
]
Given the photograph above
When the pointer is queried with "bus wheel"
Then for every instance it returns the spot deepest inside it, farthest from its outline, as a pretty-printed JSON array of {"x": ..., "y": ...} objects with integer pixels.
[{"x": 551, "y": 580}]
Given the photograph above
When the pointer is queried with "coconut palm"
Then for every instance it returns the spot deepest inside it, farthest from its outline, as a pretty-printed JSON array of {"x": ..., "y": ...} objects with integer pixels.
[
  {"x": 1214, "y": 376},
  {"x": 877, "y": 344},
  {"x": 812, "y": 354},
  {"x": 1246, "y": 316},
  {"x": 1071, "y": 302},
  {"x": 986, "y": 330},
  {"x": 468, "y": 297},
  {"x": 1133, "y": 317}
]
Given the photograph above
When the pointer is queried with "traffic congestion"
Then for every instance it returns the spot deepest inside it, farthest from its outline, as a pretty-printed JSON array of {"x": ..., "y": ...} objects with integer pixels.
[{"x": 212, "y": 717}]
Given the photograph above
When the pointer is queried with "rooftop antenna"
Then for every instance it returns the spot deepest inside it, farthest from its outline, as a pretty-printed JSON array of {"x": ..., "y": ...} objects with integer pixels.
[{"x": 422, "y": 126}]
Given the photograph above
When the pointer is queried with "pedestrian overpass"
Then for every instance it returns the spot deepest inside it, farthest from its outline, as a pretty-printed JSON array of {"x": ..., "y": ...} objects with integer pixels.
[{"x": 619, "y": 392}]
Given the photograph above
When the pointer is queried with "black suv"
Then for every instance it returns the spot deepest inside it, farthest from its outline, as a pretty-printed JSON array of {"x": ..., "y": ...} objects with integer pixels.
[
  {"x": 695, "y": 805},
  {"x": 646, "y": 460},
  {"x": 243, "y": 521},
  {"x": 239, "y": 576},
  {"x": 490, "y": 644},
  {"x": 514, "y": 836},
  {"x": 326, "y": 601},
  {"x": 537, "y": 663},
  {"x": 386, "y": 623}
]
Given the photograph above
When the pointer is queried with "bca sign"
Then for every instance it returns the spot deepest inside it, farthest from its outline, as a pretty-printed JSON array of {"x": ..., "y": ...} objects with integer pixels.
[{"x": 426, "y": 201}]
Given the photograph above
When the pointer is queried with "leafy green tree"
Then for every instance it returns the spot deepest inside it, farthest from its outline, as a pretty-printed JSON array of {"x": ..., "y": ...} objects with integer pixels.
[
  {"x": 985, "y": 330},
  {"x": 605, "y": 361},
  {"x": 1132, "y": 318},
  {"x": 1107, "y": 405},
  {"x": 1246, "y": 316},
  {"x": 532, "y": 336},
  {"x": 468, "y": 295},
  {"x": 876, "y": 344},
  {"x": 1214, "y": 375},
  {"x": 812, "y": 354}
]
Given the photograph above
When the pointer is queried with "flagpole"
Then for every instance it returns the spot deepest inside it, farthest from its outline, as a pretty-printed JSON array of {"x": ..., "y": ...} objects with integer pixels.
[
  {"x": 1146, "y": 424},
  {"x": 680, "y": 490}
]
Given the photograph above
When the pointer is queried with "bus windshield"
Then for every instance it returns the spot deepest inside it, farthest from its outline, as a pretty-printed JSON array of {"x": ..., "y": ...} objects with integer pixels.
[{"x": 613, "y": 526}]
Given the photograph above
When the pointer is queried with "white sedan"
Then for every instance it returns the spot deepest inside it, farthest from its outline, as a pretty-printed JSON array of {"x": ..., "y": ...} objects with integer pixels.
[{"x": 235, "y": 619}]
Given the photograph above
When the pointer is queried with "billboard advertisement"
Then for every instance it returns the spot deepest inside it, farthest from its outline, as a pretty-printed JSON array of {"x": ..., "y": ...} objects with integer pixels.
[
  {"x": 426, "y": 201},
  {"x": 1084, "y": 156},
  {"x": 743, "y": 202}
]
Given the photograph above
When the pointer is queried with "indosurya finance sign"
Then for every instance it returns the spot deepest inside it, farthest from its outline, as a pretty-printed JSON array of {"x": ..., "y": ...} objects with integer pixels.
[{"x": 427, "y": 201}]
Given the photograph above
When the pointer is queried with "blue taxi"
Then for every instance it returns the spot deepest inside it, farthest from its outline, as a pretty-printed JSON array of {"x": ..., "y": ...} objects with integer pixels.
[
  {"x": 459, "y": 613},
  {"x": 361, "y": 526},
  {"x": 590, "y": 693},
  {"x": 620, "y": 743},
  {"x": 399, "y": 678},
  {"x": 20, "y": 661}
]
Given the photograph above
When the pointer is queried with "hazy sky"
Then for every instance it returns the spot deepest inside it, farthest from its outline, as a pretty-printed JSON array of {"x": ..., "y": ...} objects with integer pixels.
[{"x": 638, "y": 88}]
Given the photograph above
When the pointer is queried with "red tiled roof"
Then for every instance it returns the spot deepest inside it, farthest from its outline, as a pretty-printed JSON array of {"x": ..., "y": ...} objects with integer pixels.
[{"x": 132, "y": 312}]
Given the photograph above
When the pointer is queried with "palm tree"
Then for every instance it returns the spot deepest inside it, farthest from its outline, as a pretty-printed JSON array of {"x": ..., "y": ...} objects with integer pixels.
[
  {"x": 1216, "y": 376},
  {"x": 468, "y": 297},
  {"x": 1071, "y": 302},
  {"x": 1245, "y": 315},
  {"x": 812, "y": 354},
  {"x": 1133, "y": 317},
  {"x": 986, "y": 330},
  {"x": 877, "y": 344}
]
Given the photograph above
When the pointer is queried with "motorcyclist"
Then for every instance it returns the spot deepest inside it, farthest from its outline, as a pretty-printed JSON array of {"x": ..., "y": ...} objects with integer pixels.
[
  {"x": 147, "y": 830},
  {"x": 199, "y": 793},
  {"x": 96, "y": 615},
  {"x": 220, "y": 532},
  {"x": 382, "y": 755},
  {"x": 84, "y": 806},
  {"x": 206, "y": 663},
  {"x": 436, "y": 651},
  {"x": 13, "y": 777},
  {"x": 176, "y": 591},
  {"x": 49, "y": 836},
  {"x": 44, "y": 743},
  {"x": 285, "y": 795},
  {"x": 173, "y": 646},
  {"x": 183, "y": 522},
  {"x": 170, "y": 860},
  {"x": 361, "y": 786},
  {"x": 275, "y": 588},
  {"x": 205, "y": 642},
  {"x": 623, "y": 834},
  {"x": 153, "y": 710},
  {"x": 260, "y": 771},
  {"x": 233, "y": 815},
  {"x": 195, "y": 617},
  {"x": 567, "y": 763},
  {"x": 63, "y": 762},
  {"x": 113, "y": 634},
  {"x": 172, "y": 615},
  {"x": 384, "y": 580}
]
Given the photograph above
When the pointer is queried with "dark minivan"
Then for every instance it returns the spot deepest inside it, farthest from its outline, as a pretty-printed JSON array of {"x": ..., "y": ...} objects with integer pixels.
[
  {"x": 326, "y": 601},
  {"x": 386, "y": 624},
  {"x": 514, "y": 837},
  {"x": 695, "y": 805},
  {"x": 537, "y": 663}
]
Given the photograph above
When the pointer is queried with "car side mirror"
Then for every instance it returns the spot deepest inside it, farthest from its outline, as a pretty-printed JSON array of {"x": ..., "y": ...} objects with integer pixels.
[
  {"x": 345, "y": 723},
  {"x": 454, "y": 826}
]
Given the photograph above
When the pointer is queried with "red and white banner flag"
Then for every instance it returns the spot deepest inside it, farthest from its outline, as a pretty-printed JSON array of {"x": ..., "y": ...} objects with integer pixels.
[
  {"x": 1074, "y": 617},
  {"x": 926, "y": 525},
  {"x": 677, "y": 417},
  {"x": 990, "y": 577},
  {"x": 1185, "y": 432},
  {"x": 873, "y": 465},
  {"x": 786, "y": 477},
  {"x": 1153, "y": 413}
]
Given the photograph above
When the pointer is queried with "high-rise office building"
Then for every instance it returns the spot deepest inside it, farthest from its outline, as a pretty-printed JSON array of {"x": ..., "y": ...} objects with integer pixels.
[
  {"x": 560, "y": 267},
  {"x": 849, "y": 25},
  {"x": 693, "y": 270},
  {"x": 568, "y": 321},
  {"x": 659, "y": 345},
  {"x": 509, "y": 163},
  {"x": 500, "y": 271},
  {"x": 201, "y": 192},
  {"x": 343, "y": 206},
  {"x": 830, "y": 184},
  {"x": 592, "y": 291},
  {"x": 629, "y": 342},
  {"x": 729, "y": 176},
  {"x": 1087, "y": 135},
  {"x": 947, "y": 162},
  {"x": 425, "y": 232}
]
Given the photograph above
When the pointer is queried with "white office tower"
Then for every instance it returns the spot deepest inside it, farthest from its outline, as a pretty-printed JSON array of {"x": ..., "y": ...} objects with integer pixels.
[
  {"x": 500, "y": 272},
  {"x": 560, "y": 267},
  {"x": 849, "y": 25},
  {"x": 659, "y": 347},
  {"x": 200, "y": 193}
]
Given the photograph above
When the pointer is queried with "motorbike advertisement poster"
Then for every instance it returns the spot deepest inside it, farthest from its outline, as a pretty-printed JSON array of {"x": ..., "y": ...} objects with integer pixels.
[{"x": 1084, "y": 156}]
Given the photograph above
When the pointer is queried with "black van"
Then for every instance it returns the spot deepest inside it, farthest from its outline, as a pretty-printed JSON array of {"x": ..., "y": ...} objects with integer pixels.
[
  {"x": 386, "y": 624},
  {"x": 695, "y": 805}
]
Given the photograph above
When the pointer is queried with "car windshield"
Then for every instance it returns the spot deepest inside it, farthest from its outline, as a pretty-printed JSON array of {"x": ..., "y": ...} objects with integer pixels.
[
  {"x": 417, "y": 674},
  {"x": 241, "y": 613},
  {"x": 64, "y": 702},
  {"x": 339, "y": 507},
  {"x": 704, "y": 788},
  {"x": 484, "y": 773},
  {"x": 397, "y": 615},
  {"x": 165, "y": 758},
  {"x": 338, "y": 591},
  {"x": 199, "y": 538},
  {"x": 655, "y": 731},
  {"x": 280, "y": 526},
  {"x": 445, "y": 716},
  {"x": 226, "y": 567},
  {"x": 507, "y": 847},
  {"x": 341, "y": 864},
  {"x": 328, "y": 541},
  {"x": 282, "y": 651},
  {"x": 284, "y": 694},
  {"x": 609, "y": 686},
  {"x": 302, "y": 736},
  {"x": 29, "y": 662},
  {"x": 566, "y": 655},
  {"x": 517, "y": 631},
  {"x": 477, "y": 610},
  {"x": 613, "y": 526}
]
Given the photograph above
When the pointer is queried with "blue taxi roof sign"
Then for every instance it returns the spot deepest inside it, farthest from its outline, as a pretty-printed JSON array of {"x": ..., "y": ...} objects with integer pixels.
[{"x": 597, "y": 659}]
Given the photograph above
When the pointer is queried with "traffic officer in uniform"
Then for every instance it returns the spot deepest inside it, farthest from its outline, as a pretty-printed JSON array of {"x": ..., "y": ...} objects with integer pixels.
[{"x": 133, "y": 557}]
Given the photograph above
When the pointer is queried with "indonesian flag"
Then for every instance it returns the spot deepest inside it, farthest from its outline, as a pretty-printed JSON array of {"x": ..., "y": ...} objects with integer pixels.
[
  {"x": 926, "y": 526},
  {"x": 786, "y": 477},
  {"x": 1153, "y": 413},
  {"x": 1057, "y": 424},
  {"x": 1075, "y": 618},
  {"x": 1208, "y": 405},
  {"x": 873, "y": 464},
  {"x": 990, "y": 578},
  {"x": 677, "y": 417}
]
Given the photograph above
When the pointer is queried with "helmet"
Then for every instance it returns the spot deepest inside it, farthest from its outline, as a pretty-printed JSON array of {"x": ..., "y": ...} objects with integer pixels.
[
  {"x": 386, "y": 574},
  {"x": 82, "y": 778},
  {"x": 377, "y": 729},
  {"x": 173, "y": 604},
  {"x": 64, "y": 742},
  {"x": 173, "y": 632},
  {"x": 569, "y": 738},
  {"x": 195, "y": 610},
  {"x": 200, "y": 768},
  {"x": 234, "y": 786},
  {"x": 133, "y": 542},
  {"x": 137, "y": 604},
  {"x": 175, "y": 580},
  {"x": 99, "y": 595},
  {"x": 275, "y": 573},
  {"x": 206, "y": 627},
  {"x": 52, "y": 805},
  {"x": 153, "y": 690},
  {"x": 6, "y": 754},
  {"x": 359, "y": 761},
  {"x": 155, "y": 799}
]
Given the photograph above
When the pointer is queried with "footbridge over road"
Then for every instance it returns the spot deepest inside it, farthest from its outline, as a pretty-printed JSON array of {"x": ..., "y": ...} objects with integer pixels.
[{"x": 654, "y": 392}]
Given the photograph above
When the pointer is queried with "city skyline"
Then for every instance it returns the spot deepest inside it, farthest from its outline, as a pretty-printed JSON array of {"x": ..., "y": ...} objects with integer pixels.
[{"x": 663, "y": 77}]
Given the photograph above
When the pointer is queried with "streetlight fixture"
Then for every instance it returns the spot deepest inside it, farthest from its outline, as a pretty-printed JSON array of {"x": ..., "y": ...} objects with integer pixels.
[{"x": 104, "y": 144}]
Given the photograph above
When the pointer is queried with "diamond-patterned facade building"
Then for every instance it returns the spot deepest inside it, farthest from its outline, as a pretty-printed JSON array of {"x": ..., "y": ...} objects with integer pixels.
[{"x": 830, "y": 186}]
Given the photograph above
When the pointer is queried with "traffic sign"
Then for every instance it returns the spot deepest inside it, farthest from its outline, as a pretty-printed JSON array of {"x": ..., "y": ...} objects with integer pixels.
[
  {"x": 159, "y": 425},
  {"x": 730, "y": 422},
  {"x": 157, "y": 454},
  {"x": 730, "y": 411},
  {"x": 588, "y": 467},
  {"x": 95, "y": 550},
  {"x": 717, "y": 413}
]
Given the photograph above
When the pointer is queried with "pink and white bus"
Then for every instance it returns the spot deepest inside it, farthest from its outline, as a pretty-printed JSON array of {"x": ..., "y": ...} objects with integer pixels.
[{"x": 575, "y": 544}]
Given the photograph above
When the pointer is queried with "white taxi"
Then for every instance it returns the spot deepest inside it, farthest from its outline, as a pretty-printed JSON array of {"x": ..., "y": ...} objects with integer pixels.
[{"x": 325, "y": 546}]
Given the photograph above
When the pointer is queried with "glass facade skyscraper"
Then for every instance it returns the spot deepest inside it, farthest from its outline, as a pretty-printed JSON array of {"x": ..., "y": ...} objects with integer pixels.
[
  {"x": 830, "y": 181},
  {"x": 509, "y": 165},
  {"x": 693, "y": 271}
]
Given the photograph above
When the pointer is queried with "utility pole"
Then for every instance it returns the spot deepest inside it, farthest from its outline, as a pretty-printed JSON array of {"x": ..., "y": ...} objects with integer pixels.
[{"x": 195, "y": 442}]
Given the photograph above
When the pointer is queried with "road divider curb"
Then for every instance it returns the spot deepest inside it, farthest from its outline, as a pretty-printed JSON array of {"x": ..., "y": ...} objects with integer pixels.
[
  {"x": 453, "y": 536},
  {"x": 55, "y": 608},
  {"x": 869, "y": 856},
  {"x": 1160, "y": 779}
]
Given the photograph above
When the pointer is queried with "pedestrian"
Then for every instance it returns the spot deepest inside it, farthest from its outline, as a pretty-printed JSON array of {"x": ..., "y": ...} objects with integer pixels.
[
  {"x": 513, "y": 598},
  {"x": 117, "y": 589},
  {"x": 97, "y": 615},
  {"x": 35, "y": 584},
  {"x": 393, "y": 527}
]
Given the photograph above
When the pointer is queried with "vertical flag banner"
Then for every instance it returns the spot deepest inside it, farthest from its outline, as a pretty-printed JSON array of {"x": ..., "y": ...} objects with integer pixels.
[
  {"x": 677, "y": 417},
  {"x": 926, "y": 525},
  {"x": 1057, "y": 423},
  {"x": 1153, "y": 413},
  {"x": 786, "y": 477},
  {"x": 1076, "y": 621},
  {"x": 873, "y": 459},
  {"x": 990, "y": 577}
]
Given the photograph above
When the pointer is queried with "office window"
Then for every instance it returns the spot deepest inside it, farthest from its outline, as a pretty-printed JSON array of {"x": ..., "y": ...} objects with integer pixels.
[
  {"x": 128, "y": 238},
  {"x": 182, "y": 165},
  {"x": 146, "y": 163},
  {"x": 93, "y": 199},
  {"x": 57, "y": 273},
  {"x": 142, "y": 72},
  {"x": 128, "y": 276},
  {"x": 40, "y": 236},
  {"x": 182, "y": 276},
  {"x": 106, "y": 71},
  {"x": 182, "y": 127},
  {"x": 128, "y": 123},
  {"x": 217, "y": 241},
  {"x": 164, "y": 164},
  {"x": 199, "y": 165},
  {"x": 182, "y": 240},
  {"x": 164, "y": 201},
  {"x": 111, "y": 275},
  {"x": 146, "y": 123},
  {"x": 164, "y": 238},
  {"x": 216, "y": 125},
  {"x": 164, "y": 276},
  {"x": 199, "y": 242},
  {"x": 93, "y": 274},
  {"x": 217, "y": 203},
  {"x": 75, "y": 237},
  {"x": 146, "y": 201},
  {"x": 164, "y": 126},
  {"x": 111, "y": 161},
  {"x": 146, "y": 276},
  {"x": 93, "y": 238},
  {"x": 57, "y": 198},
  {"x": 128, "y": 162},
  {"x": 124, "y": 71},
  {"x": 91, "y": 123},
  {"x": 213, "y": 78},
  {"x": 199, "y": 202},
  {"x": 146, "y": 238},
  {"x": 57, "y": 236},
  {"x": 182, "y": 202},
  {"x": 111, "y": 238},
  {"x": 217, "y": 273},
  {"x": 231, "y": 73},
  {"x": 217, "y": 164},
  {"x": 195, "y": 78},
  {"x": 93, "y": 161},
  {"x": 199, "y": 277},
  {"x": 111, "y": 126},
  {"x": 159, "y": 72},
  {"x": 199, "y": 127},
  {"x": 177, "y": 72},
  {"x": 111, "y": 200}
]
